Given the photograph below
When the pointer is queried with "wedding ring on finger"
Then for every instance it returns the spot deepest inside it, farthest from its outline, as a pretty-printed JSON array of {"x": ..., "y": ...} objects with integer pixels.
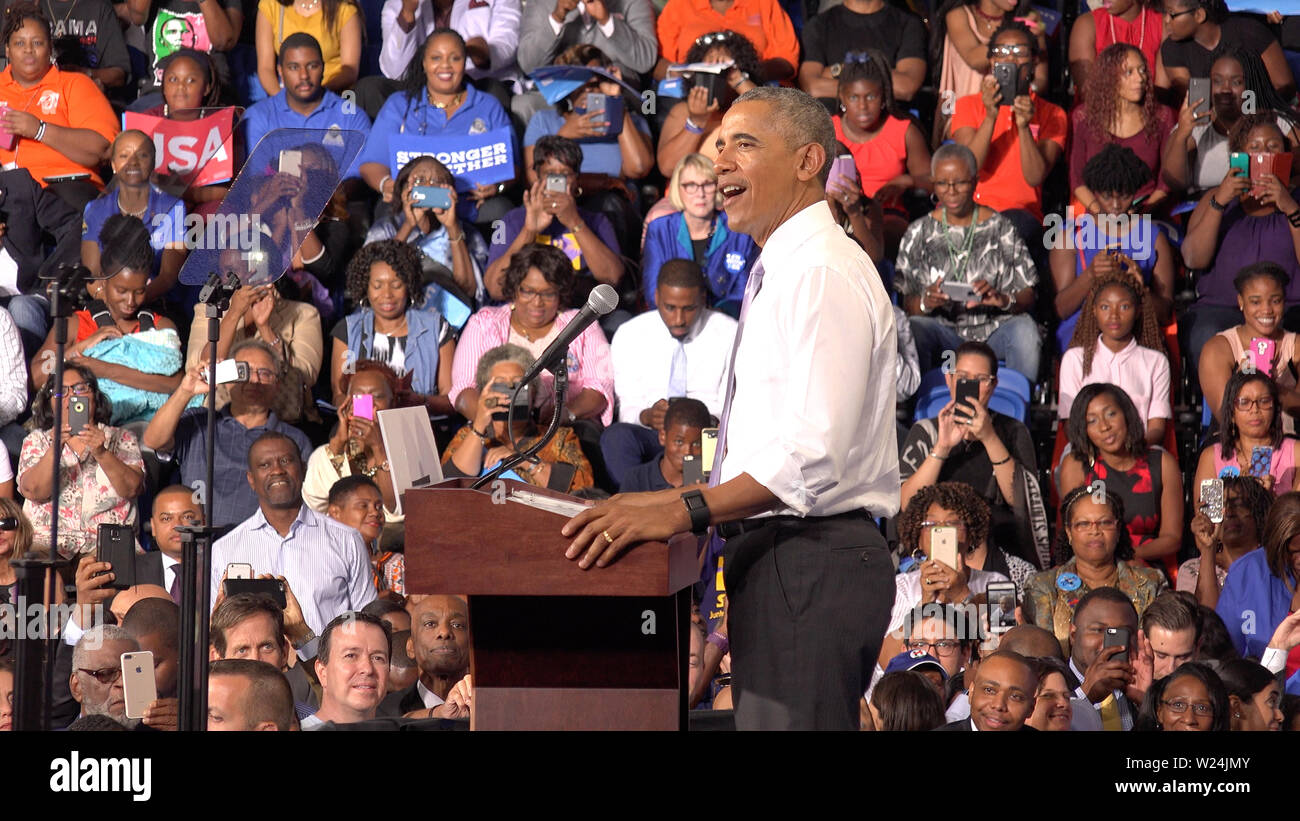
[{"x": 608, "y": 538}]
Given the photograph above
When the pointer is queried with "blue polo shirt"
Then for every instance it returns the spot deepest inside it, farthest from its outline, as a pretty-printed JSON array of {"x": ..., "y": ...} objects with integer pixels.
[
  {"x": 402, "y": 115},
  {"x": 164, "y": 216},
  {"x": 599, "y": 156},
  {"x": 267, "y": 115}
]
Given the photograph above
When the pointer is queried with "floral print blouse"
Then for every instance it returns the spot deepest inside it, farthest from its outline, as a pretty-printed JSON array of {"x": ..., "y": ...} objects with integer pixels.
[{"x": 86, "y": 497}]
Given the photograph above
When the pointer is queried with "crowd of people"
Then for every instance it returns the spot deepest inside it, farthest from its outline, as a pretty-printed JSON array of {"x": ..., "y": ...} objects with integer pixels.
[{"x": 1090, "y": 232}]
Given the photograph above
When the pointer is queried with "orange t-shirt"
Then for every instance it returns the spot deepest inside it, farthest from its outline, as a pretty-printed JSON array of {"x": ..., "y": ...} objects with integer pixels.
[
  {"x": 1002, "y": 181},
  {"x": 763, "y": 22},
  {"x": 63, "y": 98}
]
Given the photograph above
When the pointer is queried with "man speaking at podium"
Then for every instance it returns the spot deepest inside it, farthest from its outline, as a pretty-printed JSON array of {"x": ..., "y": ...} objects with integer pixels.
[{"x": 807, "y": 452}]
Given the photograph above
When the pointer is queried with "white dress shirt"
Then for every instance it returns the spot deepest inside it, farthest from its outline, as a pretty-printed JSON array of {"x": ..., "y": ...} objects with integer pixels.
[
  {"x": 324, "y": 562},
  {"x": 170, "y": 570},
  {"x": 428, "y": 697},
  {"x": 642, "y": 353},
  {"x": 496, "y": 21},
  {"x": 812, "y": 418},
  {"x": 13, "y": 371}
]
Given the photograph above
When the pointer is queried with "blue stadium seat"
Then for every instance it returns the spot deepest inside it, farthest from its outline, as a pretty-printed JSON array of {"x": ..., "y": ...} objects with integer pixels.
[
  {"x": 1016, "y": 382},
  {"x": 930, "y": 402},
  {"x": 1009, "y": 404}
]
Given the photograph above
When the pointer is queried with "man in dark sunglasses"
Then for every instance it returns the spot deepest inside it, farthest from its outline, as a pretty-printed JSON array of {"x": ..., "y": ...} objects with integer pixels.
[{"x": 96, "y": 680}]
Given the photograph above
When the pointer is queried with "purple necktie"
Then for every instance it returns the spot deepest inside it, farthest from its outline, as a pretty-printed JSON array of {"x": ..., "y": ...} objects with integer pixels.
[
  {"x": 176, "y": 584},
  {"x": 751, "y": 290}
]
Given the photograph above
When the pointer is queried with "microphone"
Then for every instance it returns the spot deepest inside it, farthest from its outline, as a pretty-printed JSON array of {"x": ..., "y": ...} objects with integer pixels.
[{"x": 601, "y": 301}]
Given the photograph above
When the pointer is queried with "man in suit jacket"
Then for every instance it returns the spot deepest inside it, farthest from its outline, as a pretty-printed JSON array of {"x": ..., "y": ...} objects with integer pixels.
[
  {"x": 439, "y": 643},
  {"x": 30, "y": 214},
  {"x": 1001, "y": 696}
]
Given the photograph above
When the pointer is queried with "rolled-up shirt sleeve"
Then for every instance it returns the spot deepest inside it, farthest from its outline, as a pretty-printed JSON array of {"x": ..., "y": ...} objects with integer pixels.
[{"x": 825, "y": 422}]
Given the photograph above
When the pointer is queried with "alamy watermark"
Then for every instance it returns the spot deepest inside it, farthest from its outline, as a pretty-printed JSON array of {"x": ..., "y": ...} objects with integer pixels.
[
  {"x": 215, "y": 232},
  {"x": 22, "y": 619},
  {"x": 1131, "y": 234}
]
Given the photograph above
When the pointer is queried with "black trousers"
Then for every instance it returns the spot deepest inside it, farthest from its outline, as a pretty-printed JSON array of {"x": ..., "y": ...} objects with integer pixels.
[{"x": 808, "y": 604}]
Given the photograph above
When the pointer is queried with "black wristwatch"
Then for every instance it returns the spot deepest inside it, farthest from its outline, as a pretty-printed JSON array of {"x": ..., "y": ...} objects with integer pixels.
[{"x": 698, "y": 510}]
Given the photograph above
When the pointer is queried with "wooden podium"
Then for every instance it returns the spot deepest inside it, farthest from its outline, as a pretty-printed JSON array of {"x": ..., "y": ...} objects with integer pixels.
[{"x": 555, "y": 647}]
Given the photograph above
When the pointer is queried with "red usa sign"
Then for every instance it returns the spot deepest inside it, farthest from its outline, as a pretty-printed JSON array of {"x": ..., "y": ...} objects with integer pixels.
[{"x": 201, "y": 152}]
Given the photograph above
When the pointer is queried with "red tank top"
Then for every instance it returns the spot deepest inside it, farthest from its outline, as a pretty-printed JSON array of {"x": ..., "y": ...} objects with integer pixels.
[{"x": 882, "y": 158}]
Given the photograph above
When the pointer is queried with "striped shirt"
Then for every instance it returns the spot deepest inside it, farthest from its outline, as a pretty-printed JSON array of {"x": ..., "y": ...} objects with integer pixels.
[
  {"x": 590, "y": 363},
  {"x": 13, "y": 371},
  {"x": 324, "y": 562}
]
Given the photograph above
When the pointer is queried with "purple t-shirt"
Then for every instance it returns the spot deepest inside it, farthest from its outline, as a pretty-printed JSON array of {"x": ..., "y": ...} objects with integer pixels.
[
  {"x": 1244, "y": 241},
  {"x": 556, "y": 234}
]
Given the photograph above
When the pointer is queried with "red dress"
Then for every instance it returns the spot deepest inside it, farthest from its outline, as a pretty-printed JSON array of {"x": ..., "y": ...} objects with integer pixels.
[{"x": 1144, "y": 32}]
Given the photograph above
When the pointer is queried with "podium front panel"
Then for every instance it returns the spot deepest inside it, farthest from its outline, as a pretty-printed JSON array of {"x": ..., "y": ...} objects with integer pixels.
[{"x": 476, "y": 542}]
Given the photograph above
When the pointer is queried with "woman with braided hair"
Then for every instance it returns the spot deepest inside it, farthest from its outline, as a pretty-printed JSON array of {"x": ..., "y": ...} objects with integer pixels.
[
  {"x": 1115, "y": 239},
  {"x": 1117, "y": 341},
  {"x": 1195, "y": 157}
]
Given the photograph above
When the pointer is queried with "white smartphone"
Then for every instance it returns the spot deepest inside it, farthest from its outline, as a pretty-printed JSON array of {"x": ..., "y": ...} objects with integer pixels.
[
  {"x": 239, "y": 570},
  {"x": 958, "y": 291},
  {"x": 943, "y": 545},
  {"x": 229, "y": 370},
  {"x": 138, "y": 683},
  {"x": 291, "y": 162},
  {"x": 708, "y": 449}
]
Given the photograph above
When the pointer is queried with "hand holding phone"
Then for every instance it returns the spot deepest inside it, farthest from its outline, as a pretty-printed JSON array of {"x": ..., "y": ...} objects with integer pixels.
[
  {"x": 363, "y": 406},
  {"x": 229, "y": 370},
  {"x": 1261, "y": 461},
  {"x": 78, "y": 414},
  {"x": 1199, "y": 96},
  {"x": 139, "y": 687},
  {"x": 1117, "y": 637},
  {"x": 1262, "y": 351},
  {"x": 431, "y": 196},
  {"x": 1212, "y": 499},
  {"x": 291, "y": 162},
  {"x": 943, "y": 546},
  {"x": 968, "y": 393},
  {"x": 1007, "y": 76}
]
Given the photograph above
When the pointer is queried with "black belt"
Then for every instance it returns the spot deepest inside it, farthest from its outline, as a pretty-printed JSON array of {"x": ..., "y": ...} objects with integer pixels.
[{"x": 730, "y": 530}]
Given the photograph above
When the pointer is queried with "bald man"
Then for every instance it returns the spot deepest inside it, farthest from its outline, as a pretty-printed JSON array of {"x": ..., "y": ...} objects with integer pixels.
[{"x": 1032, "y": 641}]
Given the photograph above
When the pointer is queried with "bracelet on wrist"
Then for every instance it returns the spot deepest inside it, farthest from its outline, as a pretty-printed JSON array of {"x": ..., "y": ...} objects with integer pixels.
[
  {"x": 1001, "y": 461},
  {"x": 482, "y": 435},
  {"x": 1214, "y": 203},
  {"x": 936, "y": 455},
  {"x": 692, "y": 127},
  {"x": 1294, "y": 218},
  {"x": 40, "y": 132}
]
